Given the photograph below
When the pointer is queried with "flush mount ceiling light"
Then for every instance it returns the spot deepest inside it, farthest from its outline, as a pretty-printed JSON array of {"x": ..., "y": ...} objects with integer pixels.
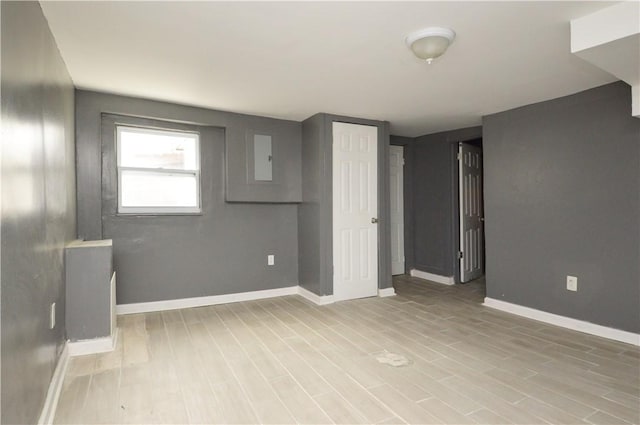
[{"x": 429, "y": 43}]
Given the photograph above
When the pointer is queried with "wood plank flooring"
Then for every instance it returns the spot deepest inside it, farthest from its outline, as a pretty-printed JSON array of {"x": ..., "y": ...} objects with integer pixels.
[{"x": 286, "y": 360}]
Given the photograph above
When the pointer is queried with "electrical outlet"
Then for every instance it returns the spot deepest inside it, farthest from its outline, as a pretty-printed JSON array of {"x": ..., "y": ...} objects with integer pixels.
[
  {"x": 52, "y": 316},
  {"x": 572, "y": 283},
  {"x": 271, "y": 260}
]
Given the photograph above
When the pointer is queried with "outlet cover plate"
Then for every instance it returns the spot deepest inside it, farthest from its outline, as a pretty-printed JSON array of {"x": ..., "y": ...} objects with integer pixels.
[
  {"x": 271, "y": 260},
  {"x": 572, "y": 283}
]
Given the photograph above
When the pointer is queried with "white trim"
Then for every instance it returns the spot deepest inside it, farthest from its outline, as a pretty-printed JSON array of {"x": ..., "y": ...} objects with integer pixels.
[
  {"x": 565, "y": 322},
  {"x": 93, "y": 346},
  {"x": 203, "y": 301},
  {"x": 386, "y": 292},
  {"x": 314, "y": 298},
  {"x": 229, "y": 298},
  {"x": 113, "y": 323},
  {"x": 446, "y": 280},
  {"x": 55, "y": 388}
]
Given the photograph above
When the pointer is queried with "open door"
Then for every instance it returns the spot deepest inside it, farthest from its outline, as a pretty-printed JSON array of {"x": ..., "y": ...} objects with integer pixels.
[{"x": 471, "y": 213}]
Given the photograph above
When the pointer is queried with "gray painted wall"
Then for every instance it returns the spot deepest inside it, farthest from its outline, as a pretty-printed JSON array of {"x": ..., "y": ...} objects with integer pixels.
[
  {"x": 435, "y": 200},
  {"x": 223, "y": 250},
  {"x": 562, "y": 197},
  {"x": 240, "y": 178},
  {"x": 313, "y": 242},
  {"x": 38, "y": 206},
  {"x": 407, "y": 144},
  {"x": 315, "y": 222},
  {"x": 90, "y": 106}
]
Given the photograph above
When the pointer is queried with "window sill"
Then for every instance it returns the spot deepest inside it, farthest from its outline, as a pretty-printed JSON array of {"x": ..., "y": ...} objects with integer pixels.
[{"x": 157, "y": 213}]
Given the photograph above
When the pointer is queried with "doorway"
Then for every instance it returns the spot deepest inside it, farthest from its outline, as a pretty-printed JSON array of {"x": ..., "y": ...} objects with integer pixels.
[
  {"x": 355, "y": 211},
  {"x": 396, "y": 218}
]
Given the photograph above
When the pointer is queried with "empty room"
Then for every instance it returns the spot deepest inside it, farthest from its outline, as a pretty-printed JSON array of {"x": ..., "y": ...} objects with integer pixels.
[{"x": 320, "y": 212}]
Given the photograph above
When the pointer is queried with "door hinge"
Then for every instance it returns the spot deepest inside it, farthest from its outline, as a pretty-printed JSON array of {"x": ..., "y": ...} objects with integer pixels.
[
  {"x": 458, "y": 156},
  {"x": 403, "y": 161},
  {"x": 460, "y": 255}
]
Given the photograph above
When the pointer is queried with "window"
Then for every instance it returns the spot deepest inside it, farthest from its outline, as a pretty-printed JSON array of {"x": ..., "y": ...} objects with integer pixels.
[{"x": 158, "y": 171}]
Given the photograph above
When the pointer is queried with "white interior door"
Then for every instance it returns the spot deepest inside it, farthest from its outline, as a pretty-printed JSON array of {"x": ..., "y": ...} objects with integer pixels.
[
  {"x": 471, "y": 213},
  {"x": 355, "y": 211},
  {"x": 396, "y": 176}
]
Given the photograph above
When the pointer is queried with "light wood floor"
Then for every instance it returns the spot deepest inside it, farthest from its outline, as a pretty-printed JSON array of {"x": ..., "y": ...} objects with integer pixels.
[{"x": 286, "y": 360}]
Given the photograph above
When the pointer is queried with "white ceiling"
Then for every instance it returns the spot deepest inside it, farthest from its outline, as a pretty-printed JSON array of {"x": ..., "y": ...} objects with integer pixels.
[{"x": 293, "y": 59}]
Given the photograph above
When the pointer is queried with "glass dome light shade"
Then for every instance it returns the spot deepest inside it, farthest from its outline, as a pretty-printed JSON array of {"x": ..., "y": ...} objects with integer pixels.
[{"x": 430, "y": 43}]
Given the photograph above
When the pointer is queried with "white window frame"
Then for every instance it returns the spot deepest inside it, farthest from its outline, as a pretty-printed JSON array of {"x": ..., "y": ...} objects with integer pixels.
[{"x": 169, "y": 210}]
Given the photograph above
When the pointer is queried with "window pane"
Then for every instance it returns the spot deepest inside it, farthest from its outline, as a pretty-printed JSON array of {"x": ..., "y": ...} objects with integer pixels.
[
  {"x": 148, "y": 189},
  {"x": 157, "y": 149}
]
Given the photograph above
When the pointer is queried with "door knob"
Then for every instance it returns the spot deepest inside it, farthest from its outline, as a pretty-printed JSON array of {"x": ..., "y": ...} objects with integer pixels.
[{"x": 374, "y": 220}]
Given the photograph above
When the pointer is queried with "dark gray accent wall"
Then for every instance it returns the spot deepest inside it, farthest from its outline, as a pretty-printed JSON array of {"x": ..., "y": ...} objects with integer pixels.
[
  {"x": 435, "y": 200},
  {"x": 562, "y": 197},
  {"x": 38, "y": 206},
  {"x": 241, "y": 185},
  {"x": 407, "y": 144},
  {"x": 223, "y": 250},
  {"x": 90, "y": 106},
  {"x": 315, "y": 213}
]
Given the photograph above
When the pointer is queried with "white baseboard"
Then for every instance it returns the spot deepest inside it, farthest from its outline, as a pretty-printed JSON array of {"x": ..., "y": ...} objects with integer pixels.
[
  {"x": 229, "y": 298},
  {"x": 93, "y": 346},
  {"x": 203, "y": 301},
  {"x": 55, "y": 388},
  {"x": 446, "y": 280},
  {"x": 314, "y": 298},
  {"x": 565, "y": 322},
  {"x": 386, "y": 292}
]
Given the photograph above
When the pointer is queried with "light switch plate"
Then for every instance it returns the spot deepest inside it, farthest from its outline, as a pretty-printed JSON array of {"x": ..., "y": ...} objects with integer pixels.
[{"x": 271, "y": 259}]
